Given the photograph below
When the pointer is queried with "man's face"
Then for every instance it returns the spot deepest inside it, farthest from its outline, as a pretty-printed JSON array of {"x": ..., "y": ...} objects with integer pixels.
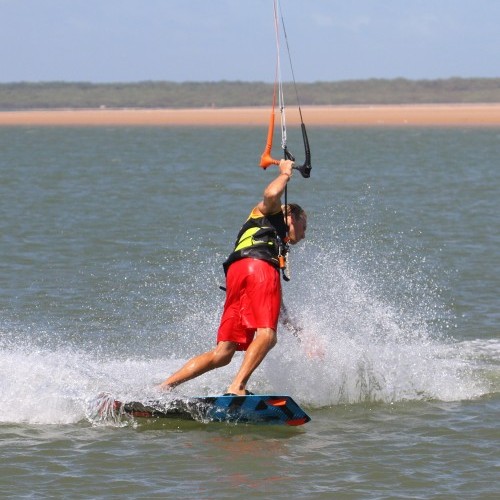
[{"x": 297, "y": 228}]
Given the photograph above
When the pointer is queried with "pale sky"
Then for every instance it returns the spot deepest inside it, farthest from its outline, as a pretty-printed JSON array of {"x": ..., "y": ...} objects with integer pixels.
[{"x": 213, "y": 40}]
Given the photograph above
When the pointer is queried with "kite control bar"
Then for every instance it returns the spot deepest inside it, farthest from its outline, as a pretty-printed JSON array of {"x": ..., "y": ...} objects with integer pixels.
[{"x": 266, "y": 160}]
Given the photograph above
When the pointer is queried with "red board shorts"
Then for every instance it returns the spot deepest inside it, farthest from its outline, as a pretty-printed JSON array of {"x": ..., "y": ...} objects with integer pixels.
[{"x": 253, "y": 300}]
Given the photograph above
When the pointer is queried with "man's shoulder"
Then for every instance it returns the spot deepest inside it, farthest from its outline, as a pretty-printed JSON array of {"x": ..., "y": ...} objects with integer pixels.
[{"x": 257, "y": 213}]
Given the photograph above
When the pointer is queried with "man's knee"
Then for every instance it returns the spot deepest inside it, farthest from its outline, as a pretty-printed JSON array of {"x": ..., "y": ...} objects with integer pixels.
[
  {"x": 268, "y": 335},
  {"x": 223, "y": 354},
  {"x": 274, "y": 340}
]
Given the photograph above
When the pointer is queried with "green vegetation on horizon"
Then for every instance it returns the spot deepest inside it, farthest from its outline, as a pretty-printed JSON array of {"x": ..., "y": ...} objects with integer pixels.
[{"x": 223, "y": 94}]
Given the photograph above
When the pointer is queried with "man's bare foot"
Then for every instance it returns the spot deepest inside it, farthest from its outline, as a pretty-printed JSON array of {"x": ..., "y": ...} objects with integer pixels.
[
  {"x": 239, "y": 392},
  {"x": 163, "y": 387}
]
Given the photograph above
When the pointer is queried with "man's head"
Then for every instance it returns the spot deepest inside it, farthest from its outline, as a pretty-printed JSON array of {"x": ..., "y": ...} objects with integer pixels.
[{"x": 296, "y": 219}]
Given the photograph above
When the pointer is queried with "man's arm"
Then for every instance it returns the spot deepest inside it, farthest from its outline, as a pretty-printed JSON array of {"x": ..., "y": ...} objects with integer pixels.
[
  {"x": 290, "y": 325},
  {"x": 271, "y": 202},
  {"x": 313, "y": 345}
]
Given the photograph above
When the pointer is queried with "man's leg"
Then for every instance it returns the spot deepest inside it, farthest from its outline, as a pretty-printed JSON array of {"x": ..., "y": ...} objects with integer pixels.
[
  {"x": 265, "y": 339},
  {"x": 220, "y": 356}
]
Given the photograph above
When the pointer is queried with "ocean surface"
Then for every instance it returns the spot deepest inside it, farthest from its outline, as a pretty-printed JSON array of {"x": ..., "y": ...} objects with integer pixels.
[{"x": 111, "y": 244}]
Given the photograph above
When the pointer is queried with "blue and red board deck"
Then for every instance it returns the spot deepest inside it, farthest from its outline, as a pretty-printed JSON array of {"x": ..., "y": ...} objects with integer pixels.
[{"x": 254, "y": 409}]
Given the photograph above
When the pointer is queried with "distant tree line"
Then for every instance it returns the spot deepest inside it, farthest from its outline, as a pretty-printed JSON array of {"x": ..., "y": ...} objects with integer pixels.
[{"x": 43, "y": 95}]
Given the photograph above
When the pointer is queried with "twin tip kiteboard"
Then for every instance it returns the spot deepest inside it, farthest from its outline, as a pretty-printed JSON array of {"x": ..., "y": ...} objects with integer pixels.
[{"x": 252, "y": 409}]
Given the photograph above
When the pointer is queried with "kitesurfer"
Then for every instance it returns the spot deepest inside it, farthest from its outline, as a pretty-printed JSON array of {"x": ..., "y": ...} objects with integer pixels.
[{"x": 253, "y": 288}]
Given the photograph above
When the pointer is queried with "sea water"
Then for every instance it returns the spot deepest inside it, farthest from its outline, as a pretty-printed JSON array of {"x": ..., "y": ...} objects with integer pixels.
[{"x": 111, "y": 244}]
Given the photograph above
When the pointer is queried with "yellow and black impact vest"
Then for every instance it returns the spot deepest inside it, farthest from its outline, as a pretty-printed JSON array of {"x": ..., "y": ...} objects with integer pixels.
[{"x": 261, "y": 237}]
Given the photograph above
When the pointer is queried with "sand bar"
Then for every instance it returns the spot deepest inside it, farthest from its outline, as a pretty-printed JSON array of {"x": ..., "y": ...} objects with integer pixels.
[{"x": 401, "y": 115}]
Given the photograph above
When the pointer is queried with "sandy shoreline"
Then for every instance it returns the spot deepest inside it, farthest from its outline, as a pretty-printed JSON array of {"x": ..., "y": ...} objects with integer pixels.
[{"x": 391, "y": 115}]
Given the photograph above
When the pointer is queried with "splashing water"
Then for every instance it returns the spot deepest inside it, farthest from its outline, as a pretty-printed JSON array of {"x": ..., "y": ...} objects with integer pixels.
[{"x": 373, "y": 331}]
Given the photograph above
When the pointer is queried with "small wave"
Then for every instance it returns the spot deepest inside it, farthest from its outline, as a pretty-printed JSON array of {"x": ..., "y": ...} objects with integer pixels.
[
  {"x": 374, "y": 329},
  {"x": 40, "y": 386},
  {"x": 328, "y": 368}
]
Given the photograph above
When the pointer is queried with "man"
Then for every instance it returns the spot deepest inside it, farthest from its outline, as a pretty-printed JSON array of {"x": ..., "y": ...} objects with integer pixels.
[{"x": 253, "y": 287}]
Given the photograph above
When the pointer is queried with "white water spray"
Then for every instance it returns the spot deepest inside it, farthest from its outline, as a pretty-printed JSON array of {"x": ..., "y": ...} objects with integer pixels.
[{"x": 369, "y": 335}]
